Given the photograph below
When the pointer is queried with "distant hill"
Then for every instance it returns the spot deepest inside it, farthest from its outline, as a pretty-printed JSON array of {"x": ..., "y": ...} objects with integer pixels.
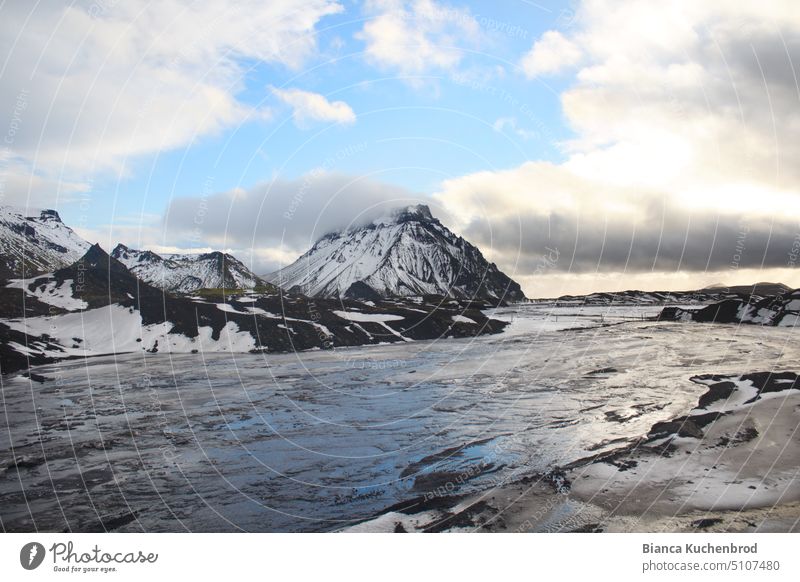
[
  {"x": 781, "y": 310},
  {"x": 754, "y": 292},
  {"x": 758, "y": 289}
]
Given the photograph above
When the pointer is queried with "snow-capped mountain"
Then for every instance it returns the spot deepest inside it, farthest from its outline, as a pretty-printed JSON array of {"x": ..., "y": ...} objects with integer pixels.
[
  {"x": 97, "y": 306},
  {"x": 31, "y": 245},
  {"x": 187, "y": 273},
  {"x": 407, "y": 253}
]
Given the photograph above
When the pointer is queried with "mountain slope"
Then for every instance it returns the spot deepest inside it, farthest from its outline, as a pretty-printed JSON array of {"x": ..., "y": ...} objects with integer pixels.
[
  {"x": 97, "y": 306},
  {"x": 31, "y": 245},
  {"x": 187, "y": 273},
  {"x": 408, "y": 253},
  {"x": 761, "y": 289},
  {"x": 782, "y": 310}
]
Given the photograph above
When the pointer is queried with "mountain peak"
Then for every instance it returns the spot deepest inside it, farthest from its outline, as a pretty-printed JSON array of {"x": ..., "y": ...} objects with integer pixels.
[
  {"x": 408, "y": 252},
  {"x": 185, "y": 273},
  {"x": 95, "y": 260},
  {"x": 49, "y": 215},
  {"x": 215, "y": 256},
  {"x": 412, "y": 213},
  {"x": 415, "y": 212},
  {"x": 36, "y": 242},
  {"x": 95, "y": 255}
]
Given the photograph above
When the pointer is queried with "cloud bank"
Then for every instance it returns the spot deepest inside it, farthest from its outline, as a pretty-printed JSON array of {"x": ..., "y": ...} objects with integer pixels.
[
  {"x": 684, "y": 154},
  {"x": 106, "y": 81},
  {"x": 274, "y": 222}
]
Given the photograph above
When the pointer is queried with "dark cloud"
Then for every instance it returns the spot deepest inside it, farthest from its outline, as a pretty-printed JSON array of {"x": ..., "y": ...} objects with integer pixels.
[
  {"x": 662, "y": 243},
  {"x": 292, "y": 213}
]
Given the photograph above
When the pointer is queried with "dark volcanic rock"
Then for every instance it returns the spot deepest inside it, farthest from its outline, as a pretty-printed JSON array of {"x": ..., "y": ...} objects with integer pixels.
[
  {"x": 772, "y": 382},
  {"x": 361, "y": 291},
  {"x": 296, "y": 322},
  {"x": 782, "y": 309},
  {"x": 681, "y": 427},
  {"x": 723, "y": 312},
  {"x": 718, "y": 391}
]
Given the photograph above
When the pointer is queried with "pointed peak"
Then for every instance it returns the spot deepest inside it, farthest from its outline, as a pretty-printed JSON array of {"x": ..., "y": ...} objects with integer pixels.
[
  {"x": 413, "y": 213},
  {"x": 119, "y": 250},
  {"x": 214, "y": 256},
  {"x": 97, "y": 259},
  {"x": 125, "y": 253},
  {"x": 404, "y": 252},
  {"x": 95, "y": 252},
  {"x": 49, "y": 215},
  {"x": 93, "y": 258},
  {"x": 417, "y": 211}
]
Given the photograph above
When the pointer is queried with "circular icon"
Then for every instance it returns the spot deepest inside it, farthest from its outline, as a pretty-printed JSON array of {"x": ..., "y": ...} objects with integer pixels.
[{"x": 31, "y": 555}]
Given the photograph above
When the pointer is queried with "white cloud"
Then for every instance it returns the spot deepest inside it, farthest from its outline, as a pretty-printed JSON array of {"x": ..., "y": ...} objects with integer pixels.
[
  {"x": 509, "y": 124},
  {"x": 308, "y": 107},
  {"x": 550, "y": 54},
  {"x": 417, "y": 37},
  {"x": 106, "y": 81},
  {"x": 684, "y": 157},
  {"x": 22, "y": 188}
]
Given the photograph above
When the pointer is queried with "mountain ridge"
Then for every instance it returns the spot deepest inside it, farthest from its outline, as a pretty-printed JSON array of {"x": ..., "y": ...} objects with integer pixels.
[
  {"x": 185, "y": 273},
  {"x": 755, "y": 292},
  {"x": 34, "y": 244},
  {"x": 98, "y": 306}
]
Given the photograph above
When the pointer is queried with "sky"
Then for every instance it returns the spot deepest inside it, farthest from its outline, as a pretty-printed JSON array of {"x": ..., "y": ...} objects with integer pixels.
[{"x": 582, "y": 146}]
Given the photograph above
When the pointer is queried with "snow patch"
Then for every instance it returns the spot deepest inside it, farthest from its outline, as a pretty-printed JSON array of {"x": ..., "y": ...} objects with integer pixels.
[
  {"x": 52, "y": 293},
  {"x": 374, "y": 317},
  {"x": 118, "y": 329}
]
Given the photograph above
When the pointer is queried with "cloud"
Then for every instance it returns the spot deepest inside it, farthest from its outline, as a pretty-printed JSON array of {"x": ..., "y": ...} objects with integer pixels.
[
  {"x": 684, "y": 154},
  {"x": 417, "y": 37},
  {"x": 107, "y": 81},
  {"x": 308, "y": 107},
  {"x": 274, "y": 222},
  {"x": 509, "y": 124},
  {"x": 664, "y": 239},
  {"x": 550, "y": 54},
  {"x": 20, "y": 187}
]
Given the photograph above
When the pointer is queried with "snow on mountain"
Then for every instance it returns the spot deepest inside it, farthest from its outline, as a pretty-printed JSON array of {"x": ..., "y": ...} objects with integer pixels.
[
  {"x": 781, "y": 310},
  {"x": 98, "y": 306},
  {"x": 406, "y": 253},
  {"x": 31, "y": 245},
  {"x": 187, "y": 273},
  {"x": 699, "y": 297}
]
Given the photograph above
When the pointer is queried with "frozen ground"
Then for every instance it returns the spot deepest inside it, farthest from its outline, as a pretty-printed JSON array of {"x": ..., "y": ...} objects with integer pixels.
[{"x": 321, "y": 441}]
